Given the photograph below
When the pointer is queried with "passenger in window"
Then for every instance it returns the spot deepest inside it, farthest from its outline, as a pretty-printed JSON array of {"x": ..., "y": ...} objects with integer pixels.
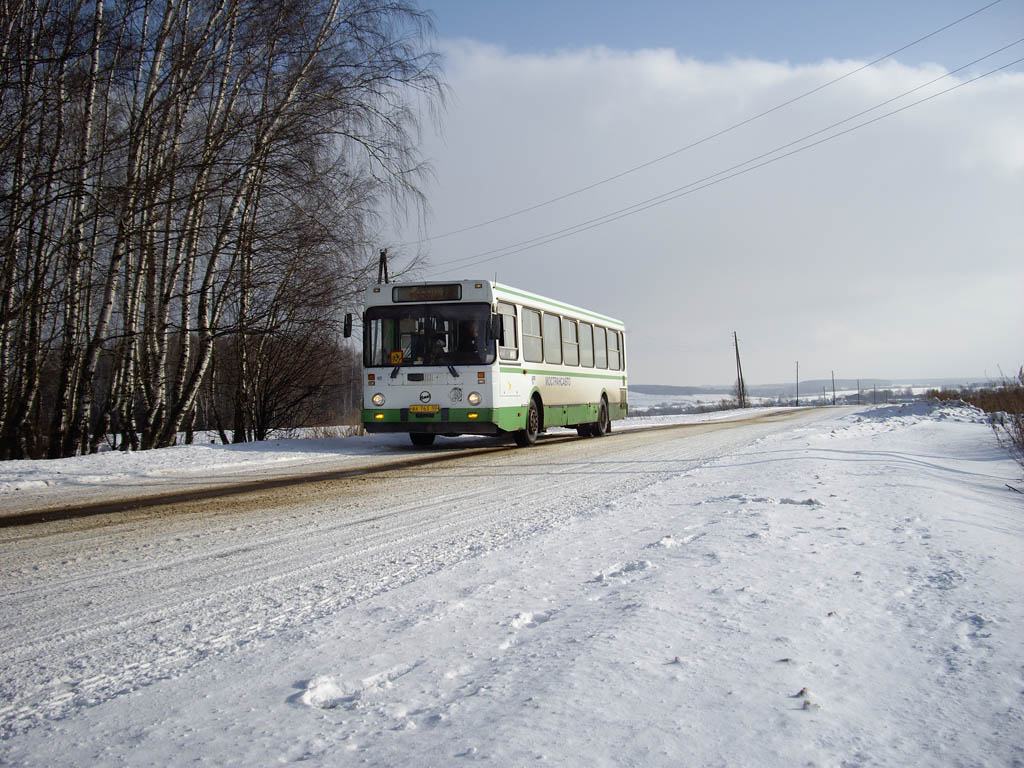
[{"x": 436, "y": 354}]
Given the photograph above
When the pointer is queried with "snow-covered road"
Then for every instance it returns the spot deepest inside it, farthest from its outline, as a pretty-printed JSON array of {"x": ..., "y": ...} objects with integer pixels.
[
  {"x": 653, "y": 598},
  {"x": 99, "y": 606}
]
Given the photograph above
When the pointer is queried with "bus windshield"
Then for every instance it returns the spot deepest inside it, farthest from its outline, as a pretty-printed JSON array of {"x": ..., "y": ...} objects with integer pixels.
[{"x": 428, "y": 334}]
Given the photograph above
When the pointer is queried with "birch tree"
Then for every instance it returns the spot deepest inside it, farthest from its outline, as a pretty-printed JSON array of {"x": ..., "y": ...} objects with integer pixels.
[{"x": 179, "y": 173}]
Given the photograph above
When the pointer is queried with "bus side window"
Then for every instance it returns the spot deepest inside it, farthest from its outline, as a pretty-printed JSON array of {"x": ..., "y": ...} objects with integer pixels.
[
  {"x": 570, "y": 344},
  {"x": 600, "y": 347},
  {"x": 586, "y": 345},
  {"x": 380, "y": 338},
  {"x": 533, "y": 350},
  {"x": 552, "y": 338},
  {"x": 613, "y": 351},
  {"x": 508, "y": 343}
]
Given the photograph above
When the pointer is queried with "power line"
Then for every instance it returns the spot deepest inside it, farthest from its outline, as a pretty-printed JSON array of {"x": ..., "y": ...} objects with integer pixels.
[
  {"x": 704, "y": 140},
  {"x": 754, "y": 159},
  {"x": 696, "y": 186}
]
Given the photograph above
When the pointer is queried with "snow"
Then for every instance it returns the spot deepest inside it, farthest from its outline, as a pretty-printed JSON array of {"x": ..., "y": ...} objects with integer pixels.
[
  {"x": 181, "y": 462},
  {"x": 838, "y": 589},
  {"x": 28, "y": 485}
]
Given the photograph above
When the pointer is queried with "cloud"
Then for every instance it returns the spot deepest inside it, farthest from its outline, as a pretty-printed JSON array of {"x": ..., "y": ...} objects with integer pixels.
[{"x": 853, "y": 256}]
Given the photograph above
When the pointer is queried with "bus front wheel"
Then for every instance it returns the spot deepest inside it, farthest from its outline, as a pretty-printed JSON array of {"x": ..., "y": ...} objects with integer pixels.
[{"x": 528, "y": 436}]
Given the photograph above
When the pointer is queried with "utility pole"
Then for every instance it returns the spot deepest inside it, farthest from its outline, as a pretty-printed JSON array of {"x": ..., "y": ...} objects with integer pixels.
[
  {"x": 741, "y": 388},
  {"x": 798, "y": 382},
  {"x": 833, "y": 387},
  {"x": 382, "y": 267}
]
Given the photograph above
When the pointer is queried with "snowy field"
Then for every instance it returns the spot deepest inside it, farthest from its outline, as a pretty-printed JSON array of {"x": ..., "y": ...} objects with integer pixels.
[
  {"x": 639, "y": 402},
  {"x": 839, "y": 590}
]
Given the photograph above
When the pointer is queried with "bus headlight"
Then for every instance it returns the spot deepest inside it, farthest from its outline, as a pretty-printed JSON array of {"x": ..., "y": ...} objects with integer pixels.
[
  {"x": 378, "y": 399},
  {"x": 474, "y": 398}
]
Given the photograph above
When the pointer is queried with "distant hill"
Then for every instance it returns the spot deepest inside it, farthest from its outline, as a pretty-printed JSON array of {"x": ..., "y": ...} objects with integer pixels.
[{"x": 810, "y": 386}]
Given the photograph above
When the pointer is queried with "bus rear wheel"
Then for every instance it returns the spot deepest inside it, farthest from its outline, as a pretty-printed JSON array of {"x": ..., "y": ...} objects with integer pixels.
[
  {"x": 603, "y": 425},
  {"x": 422, "y": 439},
  {"x": 528, "y": 436}
]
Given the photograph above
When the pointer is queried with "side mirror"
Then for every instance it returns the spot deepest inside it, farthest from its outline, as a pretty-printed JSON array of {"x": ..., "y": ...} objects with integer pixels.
[
  {"x": 496, "y": 327},
  {"x": 348, "y": 325}
]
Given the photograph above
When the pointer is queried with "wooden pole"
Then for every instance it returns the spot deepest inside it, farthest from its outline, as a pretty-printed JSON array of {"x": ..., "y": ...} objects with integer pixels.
[{"x": 741, "y": 388}]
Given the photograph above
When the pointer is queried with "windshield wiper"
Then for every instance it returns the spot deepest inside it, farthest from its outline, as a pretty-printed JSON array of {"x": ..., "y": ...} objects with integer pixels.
[
  {"x": 452, "y": 371},
  {"x": 394, "y": 373}
]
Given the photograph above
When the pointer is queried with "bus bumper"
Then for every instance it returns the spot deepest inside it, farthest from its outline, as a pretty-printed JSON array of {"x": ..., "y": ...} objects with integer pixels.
[{"x": 446, "y": 421}]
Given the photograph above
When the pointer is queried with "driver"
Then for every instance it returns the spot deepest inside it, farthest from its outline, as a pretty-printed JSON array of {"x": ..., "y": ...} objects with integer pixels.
[{"x": 471, "y": 345}]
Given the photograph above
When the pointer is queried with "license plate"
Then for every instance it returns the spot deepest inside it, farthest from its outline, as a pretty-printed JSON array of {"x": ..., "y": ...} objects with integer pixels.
[{"x": 424, "y": 408}]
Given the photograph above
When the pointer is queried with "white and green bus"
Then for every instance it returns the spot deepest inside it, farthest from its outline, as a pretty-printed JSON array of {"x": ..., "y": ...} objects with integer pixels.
[{"x": 476, "y": 357}]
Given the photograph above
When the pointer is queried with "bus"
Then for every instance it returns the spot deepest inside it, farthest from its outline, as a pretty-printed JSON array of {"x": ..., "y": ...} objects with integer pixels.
[{"x": 480, "y": 358}]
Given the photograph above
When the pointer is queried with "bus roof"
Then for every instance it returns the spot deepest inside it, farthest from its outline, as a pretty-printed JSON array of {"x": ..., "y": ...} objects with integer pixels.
[{"x": 485, "y": 291}]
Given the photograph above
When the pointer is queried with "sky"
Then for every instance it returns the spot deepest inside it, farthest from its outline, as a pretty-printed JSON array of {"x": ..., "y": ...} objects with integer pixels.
[{"x": 892, "y": 251}]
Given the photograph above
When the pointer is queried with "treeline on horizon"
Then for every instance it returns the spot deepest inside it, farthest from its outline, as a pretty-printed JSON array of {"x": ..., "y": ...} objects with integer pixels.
[{"x": 186, "y": 195}]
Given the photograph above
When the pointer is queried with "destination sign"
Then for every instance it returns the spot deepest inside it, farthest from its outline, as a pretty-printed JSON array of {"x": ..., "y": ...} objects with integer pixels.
[{"x": 442, "y": 292}]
